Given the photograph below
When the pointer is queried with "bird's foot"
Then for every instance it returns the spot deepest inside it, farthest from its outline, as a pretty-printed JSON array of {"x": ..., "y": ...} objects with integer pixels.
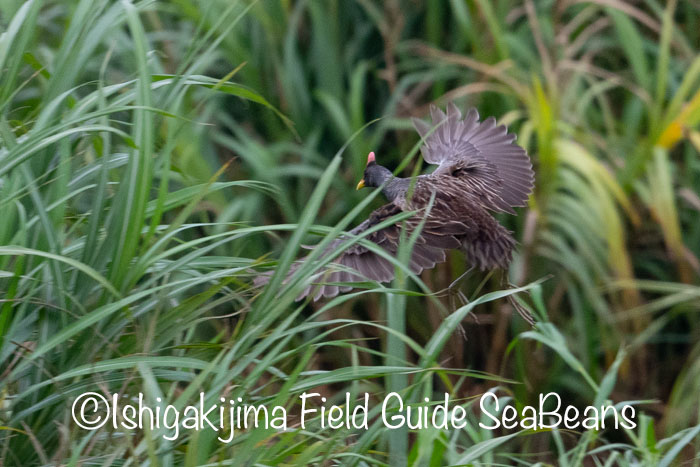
[
  {"x": 522, "y": 311},
  {"x": 462, "y": 298},
  {"x": 454, "y": 293}
]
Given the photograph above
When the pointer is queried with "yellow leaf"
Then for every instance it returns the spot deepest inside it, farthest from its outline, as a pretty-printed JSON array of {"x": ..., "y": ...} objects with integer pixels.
[
  {"x": 671, "y": 135},
  {"x": 687, "y": 118}
]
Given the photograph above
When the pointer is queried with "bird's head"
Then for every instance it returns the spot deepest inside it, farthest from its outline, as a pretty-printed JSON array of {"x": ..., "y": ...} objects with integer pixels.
[{"x": 375, "y": 175}]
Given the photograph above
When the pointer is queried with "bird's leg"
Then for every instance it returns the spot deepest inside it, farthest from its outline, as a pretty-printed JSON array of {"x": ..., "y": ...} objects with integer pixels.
[
  {"x": 482, "y": 284},
  {"x": 453, "y": 289},
  {"x": 451, "y": 294},
  {"x": 524, "y": 313}
]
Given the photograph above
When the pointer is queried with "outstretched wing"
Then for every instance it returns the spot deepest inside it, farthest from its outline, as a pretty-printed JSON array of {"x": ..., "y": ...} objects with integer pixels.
[
  {"x": 482, "y": 153},
  {"x": 358, "y": 263}
]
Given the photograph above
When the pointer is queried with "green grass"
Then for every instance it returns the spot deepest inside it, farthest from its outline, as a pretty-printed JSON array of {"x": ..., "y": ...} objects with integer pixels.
[{"x": 155, "y": 156}]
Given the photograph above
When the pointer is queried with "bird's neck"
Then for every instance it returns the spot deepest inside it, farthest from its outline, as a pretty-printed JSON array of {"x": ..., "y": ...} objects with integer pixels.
[{"x": 395, "y": 188}]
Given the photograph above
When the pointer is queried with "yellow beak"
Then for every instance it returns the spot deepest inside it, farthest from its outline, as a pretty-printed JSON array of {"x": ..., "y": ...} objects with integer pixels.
[{"x": 360, "y": 184}]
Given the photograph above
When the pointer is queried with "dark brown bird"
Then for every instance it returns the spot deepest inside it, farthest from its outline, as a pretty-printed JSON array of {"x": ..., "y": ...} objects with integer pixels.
[{"x": 480, "y": 170}]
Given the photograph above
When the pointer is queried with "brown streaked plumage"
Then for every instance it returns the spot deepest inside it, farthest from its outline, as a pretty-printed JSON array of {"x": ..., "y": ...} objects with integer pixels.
[{"x": 480, "y": 169}]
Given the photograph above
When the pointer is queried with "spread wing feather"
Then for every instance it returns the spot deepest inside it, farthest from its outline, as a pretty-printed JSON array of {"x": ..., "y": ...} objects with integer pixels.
[
  {"x": 358, "y": 263},
  {"x": 482, "y": 153}
]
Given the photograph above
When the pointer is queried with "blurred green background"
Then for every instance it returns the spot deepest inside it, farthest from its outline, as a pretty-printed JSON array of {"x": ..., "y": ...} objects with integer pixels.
[{"x": 155, "y": 155}]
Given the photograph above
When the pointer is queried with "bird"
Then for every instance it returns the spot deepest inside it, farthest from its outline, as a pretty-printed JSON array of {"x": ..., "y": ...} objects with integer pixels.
[{"x": 480, "y": 171}]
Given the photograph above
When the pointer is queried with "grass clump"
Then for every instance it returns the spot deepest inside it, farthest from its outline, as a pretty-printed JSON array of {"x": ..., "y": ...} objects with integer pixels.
[{"x": 156, "y": 155}]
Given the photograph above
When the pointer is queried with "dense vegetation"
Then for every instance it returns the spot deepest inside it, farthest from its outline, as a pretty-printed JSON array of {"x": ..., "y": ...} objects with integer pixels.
[{"x": 156, "y": 155}]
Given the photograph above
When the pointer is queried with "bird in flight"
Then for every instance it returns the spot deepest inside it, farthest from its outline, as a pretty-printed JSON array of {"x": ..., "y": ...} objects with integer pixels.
[{"x": 480, "y": 171}]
